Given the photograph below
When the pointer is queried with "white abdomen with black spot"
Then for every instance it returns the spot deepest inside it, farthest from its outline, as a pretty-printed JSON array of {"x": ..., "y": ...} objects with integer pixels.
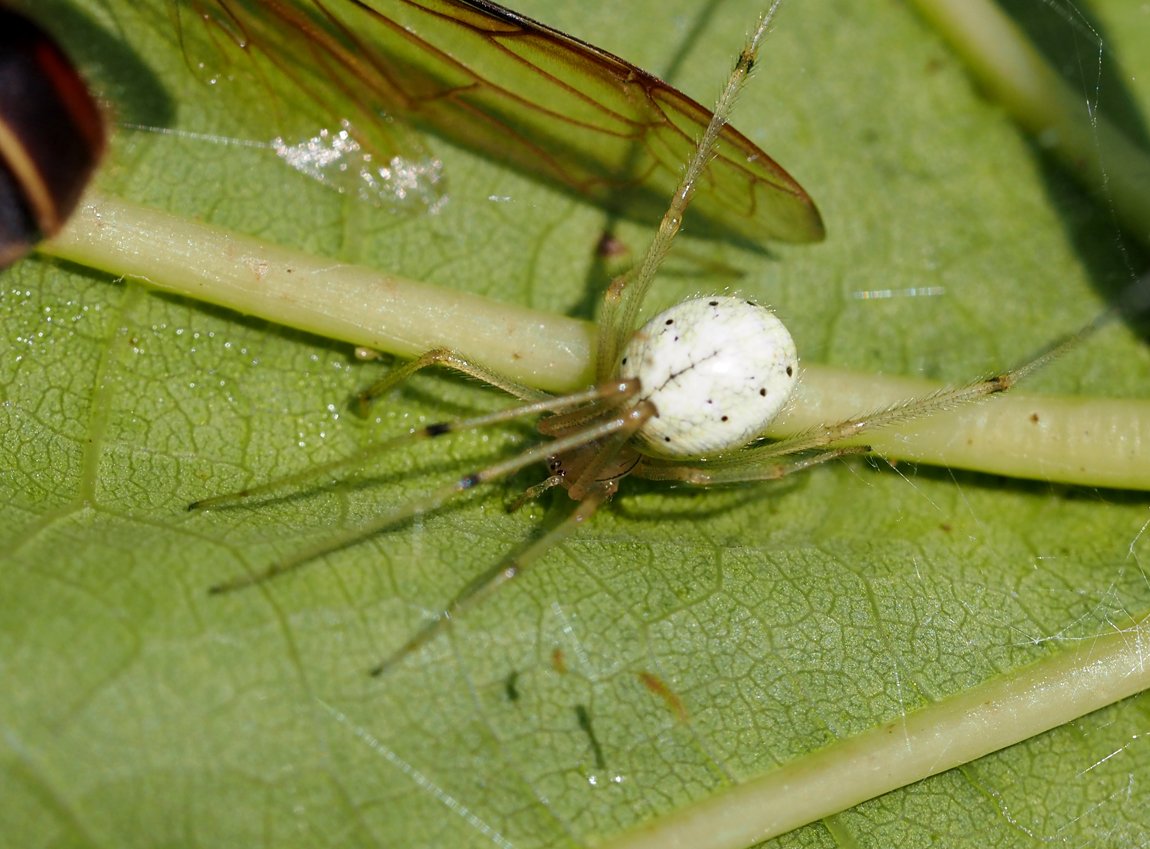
[{"x": 717, "y": 369}]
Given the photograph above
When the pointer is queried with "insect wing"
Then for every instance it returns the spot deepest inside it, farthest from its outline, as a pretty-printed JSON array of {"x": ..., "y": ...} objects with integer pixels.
[
  {"x": 330, "y": 109},
  {"x": 51, "y": 136},
  {"x": 512, "y": 88}
]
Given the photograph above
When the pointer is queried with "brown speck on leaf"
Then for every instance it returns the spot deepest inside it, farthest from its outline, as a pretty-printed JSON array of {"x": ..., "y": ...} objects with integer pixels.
[
  {"x": 658, "y": 686},
  {"x": 559, "y": 660},
  {"x": 610, "y": 246}
]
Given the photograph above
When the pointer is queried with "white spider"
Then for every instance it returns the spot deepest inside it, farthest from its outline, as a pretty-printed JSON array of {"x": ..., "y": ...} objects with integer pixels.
[{"x": 683, "y": 398}]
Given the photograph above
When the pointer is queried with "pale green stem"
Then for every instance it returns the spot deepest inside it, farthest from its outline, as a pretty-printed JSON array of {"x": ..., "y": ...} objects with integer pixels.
[
  {"x": 1011, "y": 71},
  {"x": 1097, "y": 442},
  {"x": 951, "y": 732},
  {"x": 350, "y": 303}
]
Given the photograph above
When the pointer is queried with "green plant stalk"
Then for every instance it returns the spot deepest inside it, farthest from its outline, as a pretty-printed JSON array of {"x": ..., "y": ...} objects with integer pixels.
[
  {"x": 1012, "y": 72},
  {"x": 953, "y": 731},
  {"x": 1093, "y": 442}
]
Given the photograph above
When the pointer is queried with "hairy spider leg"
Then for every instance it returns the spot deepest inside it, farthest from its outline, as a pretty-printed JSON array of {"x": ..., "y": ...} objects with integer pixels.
[
  {"x": 624, "y": 297},
  {"x": 594, "y": 493},
  {"x": 593, "y": 433},
  {"x": 761, "y": 462},
  {"x": 587, "y": 433},
  {"x": 604, "y": 399},
  {"x": 446, "y": 358},
  {"x": 617, "y": 320}
]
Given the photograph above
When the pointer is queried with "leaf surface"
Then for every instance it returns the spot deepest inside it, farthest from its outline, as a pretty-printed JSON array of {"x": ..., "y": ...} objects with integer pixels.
[{"x": 683, "y": 641}]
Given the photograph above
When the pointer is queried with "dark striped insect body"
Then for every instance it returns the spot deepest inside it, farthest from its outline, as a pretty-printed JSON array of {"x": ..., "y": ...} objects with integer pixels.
[{"x": 51, "y": 135}]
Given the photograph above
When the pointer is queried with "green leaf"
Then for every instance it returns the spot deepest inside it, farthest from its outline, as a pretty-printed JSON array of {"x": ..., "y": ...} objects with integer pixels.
[{"x": 682, "y": 643}]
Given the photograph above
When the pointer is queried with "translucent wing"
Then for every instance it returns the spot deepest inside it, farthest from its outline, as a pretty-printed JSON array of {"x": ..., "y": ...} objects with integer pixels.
[{"x": 519, "y": 91}]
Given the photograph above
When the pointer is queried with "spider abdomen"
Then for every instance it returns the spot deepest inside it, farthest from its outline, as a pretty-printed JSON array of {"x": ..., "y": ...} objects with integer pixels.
[{"x": 718, "y": 370}]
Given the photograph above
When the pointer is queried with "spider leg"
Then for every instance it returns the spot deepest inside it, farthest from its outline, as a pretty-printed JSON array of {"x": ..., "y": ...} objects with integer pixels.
[
  {"x": 446, "y": 358},
  {"x": 624, "y": 297},
  {"x": 602, "y": 468},
  {"x": 502, "y": 573},
  {"x": 829, "y": 442},
  {"x": 587, "y": 489},
  {"x": 912, "y": 409},
  {"x": 348, "y": 465},
  {"x": 739, "y": 469},
  {"x": 586, "y": 472},
  {"x": 603, "y": 431},
  {"x": 535, "y": 491}
]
